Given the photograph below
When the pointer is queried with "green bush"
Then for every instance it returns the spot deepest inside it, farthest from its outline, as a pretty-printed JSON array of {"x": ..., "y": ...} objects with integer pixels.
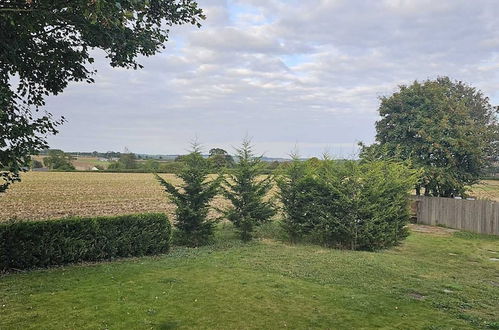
[
  {"x": 271, "y": 230},
  {"x": 171, "y": 167},
  {"x": 36, "y": 164},
  {"x": 25, "y": 245},
  {"x": 349, "y": 205},
  {"x": 299, "y": 192}
]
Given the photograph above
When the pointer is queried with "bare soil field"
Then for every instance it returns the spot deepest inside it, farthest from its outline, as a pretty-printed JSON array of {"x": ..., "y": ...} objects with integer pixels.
[{"x": 44, "y": 195}]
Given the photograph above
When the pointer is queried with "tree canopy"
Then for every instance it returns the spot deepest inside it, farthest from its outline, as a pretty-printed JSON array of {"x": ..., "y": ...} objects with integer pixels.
[
  {"x": 446, "y": 128},
  {"x": 220, "y": 158},
  {"x": 127, "y": 160},
  {"x": 46, "y": 44},
  {"x": 58, "y": 160}
]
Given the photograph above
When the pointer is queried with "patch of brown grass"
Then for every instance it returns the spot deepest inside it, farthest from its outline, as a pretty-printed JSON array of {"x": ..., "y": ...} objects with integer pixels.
[{"x": 432, "y": 230}]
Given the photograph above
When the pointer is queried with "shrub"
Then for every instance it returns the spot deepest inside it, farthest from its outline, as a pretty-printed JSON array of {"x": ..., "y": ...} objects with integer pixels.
[
  {"x": 271, "y": 230},
  {"x": 351, "y": 205},
  {"x": 36, "y": 164},
  {"x": 115, "y": 166},
  {"x": 299, "y": 192},
  {"x": 192, "y": 200},
  {"x": 247, "y": 192},
  {"x": 25, "y": 245},
  {"x": 171, "y": 167}
]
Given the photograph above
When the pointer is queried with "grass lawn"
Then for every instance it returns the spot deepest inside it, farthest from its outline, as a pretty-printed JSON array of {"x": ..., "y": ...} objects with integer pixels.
[{"x": 432, "y": 281}]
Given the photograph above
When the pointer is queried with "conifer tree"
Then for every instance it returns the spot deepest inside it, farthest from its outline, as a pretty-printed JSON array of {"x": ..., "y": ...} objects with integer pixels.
[
  {"x": 298, "y": 193},
  {"x": 246, "y": 190},
  {"x": 192, "y": 199}
]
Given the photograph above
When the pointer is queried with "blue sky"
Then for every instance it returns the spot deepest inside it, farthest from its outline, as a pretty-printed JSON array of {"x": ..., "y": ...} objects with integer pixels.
[{"x": 286, "y": 73}]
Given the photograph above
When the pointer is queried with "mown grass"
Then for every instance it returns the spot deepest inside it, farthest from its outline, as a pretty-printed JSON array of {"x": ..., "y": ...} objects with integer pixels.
[{"x": 429, "y": 282}]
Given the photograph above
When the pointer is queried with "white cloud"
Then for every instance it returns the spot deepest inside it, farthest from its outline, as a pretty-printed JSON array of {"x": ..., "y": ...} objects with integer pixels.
[{"x": 282, "y": 71}]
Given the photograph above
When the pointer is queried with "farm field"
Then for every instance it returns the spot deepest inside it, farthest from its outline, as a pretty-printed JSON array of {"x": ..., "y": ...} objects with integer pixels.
[
  {"x": 43, "y": 195},
  {"x": 487, "y": 189},
  {"x": 436, "y": 279}
]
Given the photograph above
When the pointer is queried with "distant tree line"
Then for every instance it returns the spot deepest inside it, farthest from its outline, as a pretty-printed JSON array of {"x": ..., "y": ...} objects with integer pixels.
[
  {"x": 217, "y": 159},
  {"x": 106, "y": 155}
]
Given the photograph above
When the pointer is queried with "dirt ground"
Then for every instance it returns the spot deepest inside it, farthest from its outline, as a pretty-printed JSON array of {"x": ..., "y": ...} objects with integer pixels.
[{"x": 438, "y": 231}]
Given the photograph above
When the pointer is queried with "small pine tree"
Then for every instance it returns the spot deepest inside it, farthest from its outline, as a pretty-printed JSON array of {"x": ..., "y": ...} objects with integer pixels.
[
  {"x": 192, "y": 200},
  {"x": 246, "y": 190}
]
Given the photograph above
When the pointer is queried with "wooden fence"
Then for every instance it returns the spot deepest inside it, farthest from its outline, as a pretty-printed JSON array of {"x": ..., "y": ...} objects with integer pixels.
[{"x": 478, "y": 216}]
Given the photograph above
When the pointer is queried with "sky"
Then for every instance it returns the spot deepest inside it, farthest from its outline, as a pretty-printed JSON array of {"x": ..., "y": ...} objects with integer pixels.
[{"x": 292, "y": 74}]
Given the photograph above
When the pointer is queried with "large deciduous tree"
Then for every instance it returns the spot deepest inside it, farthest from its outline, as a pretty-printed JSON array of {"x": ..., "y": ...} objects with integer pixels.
[
  {"x": 58, "y": 160},
  {"x": 446, "y": 128},
  {"x": 220, "y": 158},
  {"x": 45, "y": 44}
]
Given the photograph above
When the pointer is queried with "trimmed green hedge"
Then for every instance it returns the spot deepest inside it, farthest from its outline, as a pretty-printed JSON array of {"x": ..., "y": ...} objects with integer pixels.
[{"x": 25, "y": 245}]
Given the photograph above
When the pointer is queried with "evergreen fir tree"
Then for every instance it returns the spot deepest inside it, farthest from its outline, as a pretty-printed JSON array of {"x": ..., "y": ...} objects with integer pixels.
[
  {"x": 246, "y": 190},
  {"x": 192, "y": 200}
]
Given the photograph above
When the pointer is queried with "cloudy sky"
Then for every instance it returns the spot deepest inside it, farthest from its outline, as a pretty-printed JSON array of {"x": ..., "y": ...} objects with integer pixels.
[{"x": 305, "y": 73}]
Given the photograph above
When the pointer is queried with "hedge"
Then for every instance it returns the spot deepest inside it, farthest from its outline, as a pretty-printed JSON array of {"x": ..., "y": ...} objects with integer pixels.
[
  {"x": 347, "y": 205},
  {"x": 33, "y": 244}
]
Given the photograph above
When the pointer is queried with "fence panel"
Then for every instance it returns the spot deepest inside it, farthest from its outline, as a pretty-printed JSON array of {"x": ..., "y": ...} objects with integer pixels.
[{"x": 479, "y": 216}]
